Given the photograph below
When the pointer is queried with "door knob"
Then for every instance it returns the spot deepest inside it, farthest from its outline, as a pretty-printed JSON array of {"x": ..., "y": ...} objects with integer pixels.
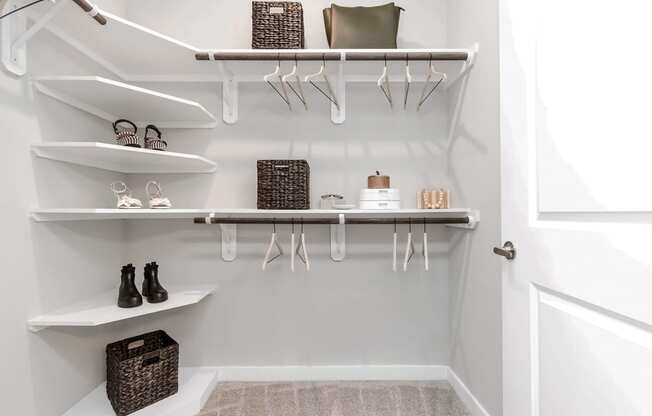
[{"x": 508, "y": 251}]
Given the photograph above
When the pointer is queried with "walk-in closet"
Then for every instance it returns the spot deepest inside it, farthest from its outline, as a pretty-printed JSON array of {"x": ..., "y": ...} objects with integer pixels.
[{"x": 358, "y": 208}]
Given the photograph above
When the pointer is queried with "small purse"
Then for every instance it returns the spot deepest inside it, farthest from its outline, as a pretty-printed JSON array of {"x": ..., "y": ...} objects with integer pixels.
[{"x": 362, "y": 27}]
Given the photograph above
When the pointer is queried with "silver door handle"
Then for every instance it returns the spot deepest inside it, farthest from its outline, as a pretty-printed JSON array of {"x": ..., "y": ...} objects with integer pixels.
[{"x": 508, "y": 251}]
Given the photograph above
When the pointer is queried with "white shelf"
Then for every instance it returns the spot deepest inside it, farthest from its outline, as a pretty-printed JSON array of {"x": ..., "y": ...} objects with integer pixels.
[
  {"x": 111, "y": 100},
  {"x": 123, "y": 159},
  {"x": 119, "y": 45},
  {"x": 113, "y": 45},
  {"x": 82, "y": 214},
  {"x": 102, "y": 309},
  {"x": 195, "y": 387}
]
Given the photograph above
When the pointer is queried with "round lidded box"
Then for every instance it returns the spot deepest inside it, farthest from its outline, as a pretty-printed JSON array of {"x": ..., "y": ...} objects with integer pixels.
[{"x": 378, "y": 181}]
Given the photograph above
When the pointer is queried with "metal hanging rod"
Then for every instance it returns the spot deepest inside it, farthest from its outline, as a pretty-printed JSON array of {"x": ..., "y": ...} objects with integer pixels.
[
  {"x": 89, "y": 8},
  {"x": 334, "y": 55},
  {"x": 332, "y": 221},
  {"x": 92, "y": 11}
]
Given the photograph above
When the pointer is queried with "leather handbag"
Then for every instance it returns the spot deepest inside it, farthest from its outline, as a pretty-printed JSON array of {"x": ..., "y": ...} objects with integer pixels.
[{"x": 362, "y": 27}]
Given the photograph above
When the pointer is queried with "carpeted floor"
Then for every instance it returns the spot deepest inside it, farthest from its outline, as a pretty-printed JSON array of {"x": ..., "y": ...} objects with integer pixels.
[{"x": 364, "y": 398}]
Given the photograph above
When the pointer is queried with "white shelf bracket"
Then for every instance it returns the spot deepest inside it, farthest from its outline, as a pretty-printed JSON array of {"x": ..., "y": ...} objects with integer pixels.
[
  {"x": 14, "y": 35},
  {"x": 229, "y": 246},
  {"x": 229, "y": 93},
  {"x": 338, "y": 115},
  {"x": 474, "y": 219},
  {"x": 229, "y": 241},
  {"x": 338, "y": 239}
]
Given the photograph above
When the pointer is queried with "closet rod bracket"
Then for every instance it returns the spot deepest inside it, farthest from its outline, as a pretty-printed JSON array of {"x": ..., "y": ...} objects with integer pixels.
[
  {"x": 229, "y": 92},
  {"x": 338, "y": 239}
]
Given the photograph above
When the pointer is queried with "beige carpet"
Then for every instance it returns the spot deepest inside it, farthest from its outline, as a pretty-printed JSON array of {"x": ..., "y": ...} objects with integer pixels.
[{"x": 365, "y": 398}]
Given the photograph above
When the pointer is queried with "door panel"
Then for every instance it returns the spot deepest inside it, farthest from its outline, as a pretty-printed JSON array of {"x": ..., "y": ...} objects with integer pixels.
[
  {"x": 577, "y": 308},
  {"x": 592, "y": 105},
  {"x": 590, "y": 362}
]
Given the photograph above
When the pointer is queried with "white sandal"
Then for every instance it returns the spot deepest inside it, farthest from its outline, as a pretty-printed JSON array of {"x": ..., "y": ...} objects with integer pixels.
[
  {"x": 156, "y": 201},
  {"x": 123, "y": 194}
]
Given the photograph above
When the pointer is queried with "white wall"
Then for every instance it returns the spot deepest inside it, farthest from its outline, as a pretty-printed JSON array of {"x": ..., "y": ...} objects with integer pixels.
[
  {"x": 475, "y": 272},
  {"x": 356, "y": 312},
  {"x": 44, "y": 267}
]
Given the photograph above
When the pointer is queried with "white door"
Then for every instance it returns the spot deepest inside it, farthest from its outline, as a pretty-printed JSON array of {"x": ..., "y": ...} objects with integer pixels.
[{"x": 576, "y": 120}]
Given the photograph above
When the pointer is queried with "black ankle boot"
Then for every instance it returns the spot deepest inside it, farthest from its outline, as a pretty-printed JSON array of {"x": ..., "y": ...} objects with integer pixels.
[
  {"x": 128, "y": 296},
  {"x": 145, "y": 290},
  {"x": 152, "y": 289}
]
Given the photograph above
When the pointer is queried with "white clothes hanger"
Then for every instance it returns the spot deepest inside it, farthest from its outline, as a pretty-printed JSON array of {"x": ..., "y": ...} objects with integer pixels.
[
  {"x": 296, "y": 89},
  {"x": 395, "y": 250},
  {"x": 383, "y": 84},
  {"x": 426, "y": 264},
  {"x": 281, "y": 91},
  {"x": 431, "y": 74},
  {"x": 408, "y": 81},
  {"x": 292, "y": 251},
  {"x": 409, "y": 249},
  {"x": 301, "y": 250},
  {"x": 273, "y": 242},
  {"x": 321, "y": 75}
]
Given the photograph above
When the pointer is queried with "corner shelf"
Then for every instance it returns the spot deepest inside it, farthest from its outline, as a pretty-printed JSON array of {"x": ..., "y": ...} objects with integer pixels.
[
  {"x": 84, "y": 214},
  {"x": 111, "y": 100},
  {"x": 102, "y": 309},
  {"x": 195, "y": 387},
  {"x": 123, "y": 159}
]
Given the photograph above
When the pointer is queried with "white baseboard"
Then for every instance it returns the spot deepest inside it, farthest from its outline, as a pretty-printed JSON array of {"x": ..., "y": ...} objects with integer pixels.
[
  {"x": 335, "y": 373},
  {"x": 359, "y": 373},
  {"x": 470, "y": 401}
]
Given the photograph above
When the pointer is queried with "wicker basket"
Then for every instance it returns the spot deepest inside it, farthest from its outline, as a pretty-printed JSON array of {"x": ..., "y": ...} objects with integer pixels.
[
  {"x": 283, "y": 184},
  {"x": 277, "y": 25},
  {"x": 141, "y": 370}
]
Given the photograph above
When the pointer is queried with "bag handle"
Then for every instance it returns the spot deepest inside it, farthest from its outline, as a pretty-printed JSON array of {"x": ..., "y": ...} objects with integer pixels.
[
  {"x": 124, "y": 121},
  {"x": 153, "y": 127}
]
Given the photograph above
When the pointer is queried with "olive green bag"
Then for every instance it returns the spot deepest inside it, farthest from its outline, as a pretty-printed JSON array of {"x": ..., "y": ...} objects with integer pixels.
[{"x": 362, "y": 27}]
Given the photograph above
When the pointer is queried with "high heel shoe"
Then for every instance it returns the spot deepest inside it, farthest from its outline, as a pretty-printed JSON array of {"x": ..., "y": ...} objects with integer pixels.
[
  {"x": 123, "y": 195},
  {"x": 154, "y": 142},
  {"x": 154, "y": 193},
  {"x": 152, "y": 289},
  {"x": 128, "y": 296}
]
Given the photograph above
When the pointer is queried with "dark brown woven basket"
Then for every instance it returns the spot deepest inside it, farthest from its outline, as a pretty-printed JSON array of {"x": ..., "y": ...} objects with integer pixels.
[
  {"x": 141, "y": 370},
  {"x": 277, "y": 25},
  {"x": 283, "y": 184}
]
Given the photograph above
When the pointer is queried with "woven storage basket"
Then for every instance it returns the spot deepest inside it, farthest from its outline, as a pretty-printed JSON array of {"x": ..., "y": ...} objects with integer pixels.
[
  {"x": 283, "y": 184},
  {"x": 141, "y": 370},
  {"x": 277, "y": 25}
]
